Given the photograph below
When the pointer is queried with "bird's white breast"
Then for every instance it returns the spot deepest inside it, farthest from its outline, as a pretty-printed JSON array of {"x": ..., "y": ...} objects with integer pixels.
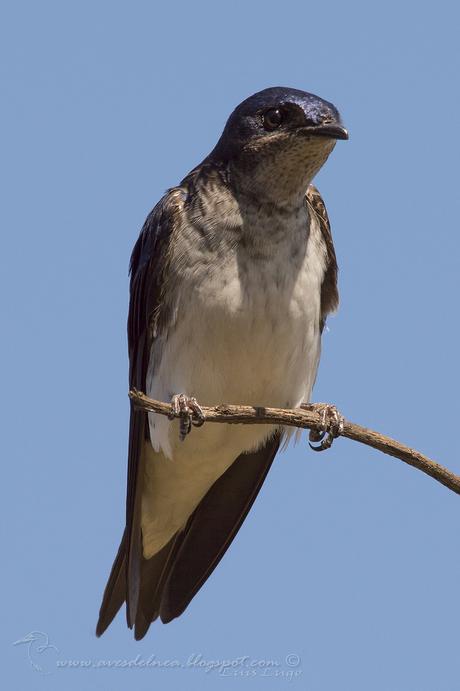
[{"x": 246, "y": 331}]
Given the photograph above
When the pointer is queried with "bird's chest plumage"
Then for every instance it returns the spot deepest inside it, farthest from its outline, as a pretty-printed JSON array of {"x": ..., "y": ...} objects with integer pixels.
[
  {"x": 262, "y": 310},
  {"x": 246, "y": 326}
]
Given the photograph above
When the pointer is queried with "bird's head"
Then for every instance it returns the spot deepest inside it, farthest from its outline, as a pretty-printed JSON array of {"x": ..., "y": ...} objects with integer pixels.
[{"x": 281, "y": 137}]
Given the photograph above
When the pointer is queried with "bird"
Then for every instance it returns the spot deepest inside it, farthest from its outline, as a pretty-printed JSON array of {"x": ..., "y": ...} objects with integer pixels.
[{"x": 231, "y": 280}]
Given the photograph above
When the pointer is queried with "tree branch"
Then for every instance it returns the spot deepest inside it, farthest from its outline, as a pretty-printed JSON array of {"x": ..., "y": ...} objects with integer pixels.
[{"x": 308, "y": 419}]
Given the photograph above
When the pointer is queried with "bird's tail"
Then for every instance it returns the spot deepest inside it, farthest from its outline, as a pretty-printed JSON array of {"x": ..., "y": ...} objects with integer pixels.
[
  {"x": 171, "y": 578},
  {"x": 154, "y": 572}
]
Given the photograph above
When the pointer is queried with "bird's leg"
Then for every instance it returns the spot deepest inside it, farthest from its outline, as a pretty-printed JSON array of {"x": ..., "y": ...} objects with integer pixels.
[
  {"x": 189, "y": 412},
  {"x": 330, "y": 427}
]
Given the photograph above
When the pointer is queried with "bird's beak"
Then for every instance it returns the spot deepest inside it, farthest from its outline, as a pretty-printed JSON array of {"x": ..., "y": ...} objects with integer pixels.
[{"x": 333, "y": 130}]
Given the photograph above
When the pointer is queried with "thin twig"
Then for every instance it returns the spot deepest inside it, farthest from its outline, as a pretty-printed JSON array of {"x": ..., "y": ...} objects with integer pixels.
[{"x": 309, "y": 419}]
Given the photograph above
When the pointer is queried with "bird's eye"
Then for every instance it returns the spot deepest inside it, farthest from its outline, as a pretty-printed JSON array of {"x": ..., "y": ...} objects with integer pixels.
[{"x": 272, "y": 118}]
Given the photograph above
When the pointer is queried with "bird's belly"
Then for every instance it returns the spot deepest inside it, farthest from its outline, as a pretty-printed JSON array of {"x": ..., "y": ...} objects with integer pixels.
[{"x": 263, "y": 356}]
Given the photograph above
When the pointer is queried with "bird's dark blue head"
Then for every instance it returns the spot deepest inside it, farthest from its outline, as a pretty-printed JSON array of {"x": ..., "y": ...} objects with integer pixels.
[
  {"x": 280, "y": 132},
  {"x": 279, "y": 113}
]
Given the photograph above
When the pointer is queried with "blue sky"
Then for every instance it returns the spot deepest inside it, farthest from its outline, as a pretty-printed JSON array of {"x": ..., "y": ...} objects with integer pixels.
[{"x": 346, "y": 572}]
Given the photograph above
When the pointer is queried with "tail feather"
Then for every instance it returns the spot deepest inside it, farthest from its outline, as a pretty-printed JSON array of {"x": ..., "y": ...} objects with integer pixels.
[
  {"x": 115, "y": 590},
  {"x": 154, "y": 572}
]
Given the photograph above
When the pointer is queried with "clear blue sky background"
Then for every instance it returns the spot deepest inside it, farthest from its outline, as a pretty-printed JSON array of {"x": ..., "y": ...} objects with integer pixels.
[{"x": 350, "y": 559}]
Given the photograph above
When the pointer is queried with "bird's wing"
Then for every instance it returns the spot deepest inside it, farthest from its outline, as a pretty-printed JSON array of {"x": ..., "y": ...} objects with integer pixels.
[
  {"x": 148, "y": 316},
  {"x": 329, "y": 289}
]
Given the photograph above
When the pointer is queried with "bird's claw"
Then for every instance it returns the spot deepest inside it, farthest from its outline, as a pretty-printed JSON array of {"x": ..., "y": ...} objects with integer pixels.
[
  {"x": 189, "y": 412},
  {"x": 330, "y": 427}
]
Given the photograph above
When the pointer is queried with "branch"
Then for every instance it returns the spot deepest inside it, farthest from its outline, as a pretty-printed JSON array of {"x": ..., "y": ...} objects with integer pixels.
[{"x": 308, "y": 419}]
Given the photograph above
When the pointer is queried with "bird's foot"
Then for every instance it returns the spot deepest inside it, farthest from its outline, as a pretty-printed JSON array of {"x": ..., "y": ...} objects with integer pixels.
[
  {"x": 189, "y": 412},
  {"x": 330, "y": 427}
]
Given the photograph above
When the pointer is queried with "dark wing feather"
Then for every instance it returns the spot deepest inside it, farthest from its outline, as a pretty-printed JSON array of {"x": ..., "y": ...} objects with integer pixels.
[
  {"x": 115, "y": 590},
  {"x": 148, "y": 267},
  {"x": 329, "y": 289}
]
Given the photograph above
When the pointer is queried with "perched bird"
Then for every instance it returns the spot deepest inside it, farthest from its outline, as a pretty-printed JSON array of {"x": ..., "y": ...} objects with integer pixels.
[{"x": 232, "y": 278}]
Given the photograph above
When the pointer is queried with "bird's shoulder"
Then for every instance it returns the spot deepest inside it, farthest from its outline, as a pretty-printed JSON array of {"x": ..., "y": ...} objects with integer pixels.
[
  {"x": 157, "y": 229},
  {"x": 329, "y": 288},
  {"x": 148, "y": 266}
]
